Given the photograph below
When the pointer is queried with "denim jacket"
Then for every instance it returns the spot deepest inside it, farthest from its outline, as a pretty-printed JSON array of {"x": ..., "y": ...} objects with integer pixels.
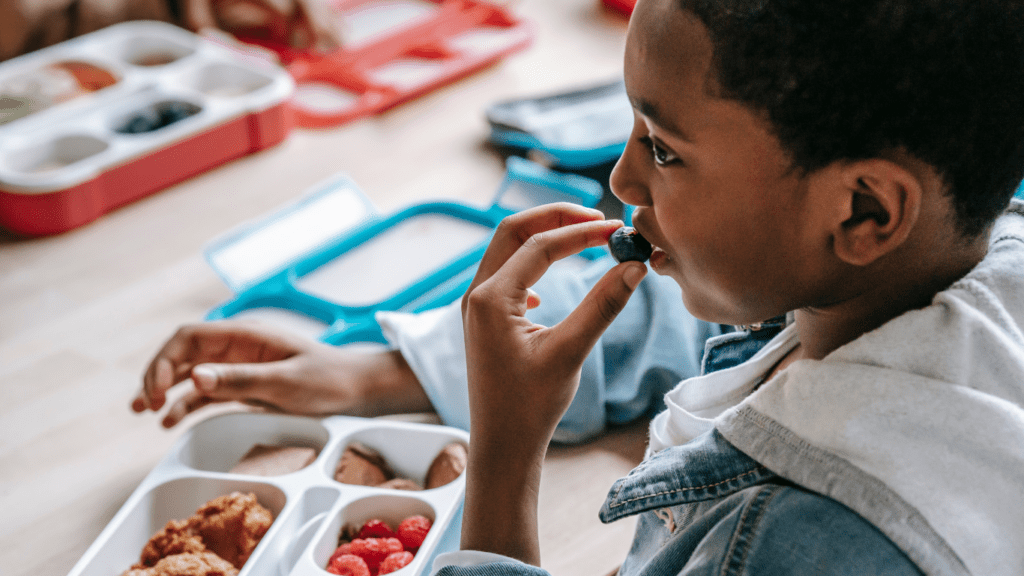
[{"x": 707, "y": 508}]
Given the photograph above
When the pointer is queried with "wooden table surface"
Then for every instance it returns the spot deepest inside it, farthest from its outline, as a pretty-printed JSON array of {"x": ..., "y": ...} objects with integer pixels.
[{"x": 81, "y": 313}]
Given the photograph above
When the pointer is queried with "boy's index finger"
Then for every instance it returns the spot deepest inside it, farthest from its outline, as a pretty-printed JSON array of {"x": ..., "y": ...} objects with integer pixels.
[
  {"x": 164, "y": 369},
  {"x": 174, "y": 362},
  {"x": 526, "y": 266},
  {"x": 516, "y": 229}
]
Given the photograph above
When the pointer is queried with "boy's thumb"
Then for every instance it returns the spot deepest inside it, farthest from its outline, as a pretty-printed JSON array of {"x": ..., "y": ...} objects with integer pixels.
[
  {"x": 601, "y": 305},
  {"x": 204, "y": 376},
  {"x": 632, "y": 276},
  {"x": 208, "y": 378}
]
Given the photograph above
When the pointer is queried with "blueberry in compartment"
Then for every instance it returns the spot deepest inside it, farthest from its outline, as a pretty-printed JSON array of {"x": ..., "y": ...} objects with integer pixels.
[
  {"x": 157, "y": 116},
  {"x": 171, "y": 112},
  {"x": 627, "y": 244},
  {"x": 145, "y": 120}
]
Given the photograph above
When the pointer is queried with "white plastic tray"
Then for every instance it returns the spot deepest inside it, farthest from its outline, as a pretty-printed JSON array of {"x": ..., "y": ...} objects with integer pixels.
[{"x": 310, "y": 508}]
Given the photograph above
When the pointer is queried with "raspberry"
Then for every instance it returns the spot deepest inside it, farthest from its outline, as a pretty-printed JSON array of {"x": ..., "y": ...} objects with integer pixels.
[
  {"x": 345, "y": 548},
  {"x": 375, "y": 550},
  {"x": 413, "y": 531},
  {"x": 376, "y": 529},
  {"x": 395, "y": 561},
  {"x": 348, "y": 565}
]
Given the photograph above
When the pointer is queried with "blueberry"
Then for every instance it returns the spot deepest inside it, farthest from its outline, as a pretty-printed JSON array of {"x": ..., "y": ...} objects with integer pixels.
[
  {"x": 627, "y": 244},
  {"x": 172, "y": 112},
  {"x": 143, "y": 121}
]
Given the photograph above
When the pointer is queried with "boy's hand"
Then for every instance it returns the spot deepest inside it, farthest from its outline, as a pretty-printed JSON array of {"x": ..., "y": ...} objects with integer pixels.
[
  {"x": 522, "y": 376},
  {"x": 258, "y": 365}
]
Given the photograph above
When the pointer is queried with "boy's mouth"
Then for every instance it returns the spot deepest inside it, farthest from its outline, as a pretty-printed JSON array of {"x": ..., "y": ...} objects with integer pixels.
[
  {"x": 658, "y": 256},
  {"x": 643, "y": 232}
]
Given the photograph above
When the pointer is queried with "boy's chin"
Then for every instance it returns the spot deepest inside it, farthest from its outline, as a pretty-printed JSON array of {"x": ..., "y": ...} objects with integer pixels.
[
  {"x": 703, "y": 309},
  {"x": 700, "y": 309}
]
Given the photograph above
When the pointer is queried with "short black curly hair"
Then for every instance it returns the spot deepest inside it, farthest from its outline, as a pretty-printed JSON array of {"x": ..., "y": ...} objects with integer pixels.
[{"x": 942, "y": 80}]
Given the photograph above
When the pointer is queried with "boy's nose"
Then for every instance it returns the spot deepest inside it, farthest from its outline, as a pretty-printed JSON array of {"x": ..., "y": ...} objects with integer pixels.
[{"x": 626, "y": 180}]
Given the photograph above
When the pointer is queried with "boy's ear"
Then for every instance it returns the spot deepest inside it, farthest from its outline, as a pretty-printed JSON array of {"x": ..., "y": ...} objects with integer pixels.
[{"x": 880, "y": 202}]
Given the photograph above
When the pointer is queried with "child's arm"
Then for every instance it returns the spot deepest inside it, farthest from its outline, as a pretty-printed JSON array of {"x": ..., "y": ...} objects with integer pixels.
[
  {"x": 523, "y": 376},
  {"x": 245, "y": 362},
  {"x": 428, "y": 372}
]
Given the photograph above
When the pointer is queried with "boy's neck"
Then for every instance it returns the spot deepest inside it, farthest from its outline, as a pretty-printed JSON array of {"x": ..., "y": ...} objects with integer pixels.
[{"x": 897, "y": 287}]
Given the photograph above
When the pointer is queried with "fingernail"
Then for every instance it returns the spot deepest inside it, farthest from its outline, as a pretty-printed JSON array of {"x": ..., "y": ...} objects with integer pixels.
[
  {"x": 205, "y": 378},
  {"x": 633, "y": 275}
]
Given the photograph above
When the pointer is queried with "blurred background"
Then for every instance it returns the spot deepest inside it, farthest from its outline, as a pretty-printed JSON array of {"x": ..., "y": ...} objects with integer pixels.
[{"x": 109, "y": 196}]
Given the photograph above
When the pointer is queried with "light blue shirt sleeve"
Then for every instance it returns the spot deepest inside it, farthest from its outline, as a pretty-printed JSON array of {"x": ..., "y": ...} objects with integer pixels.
[
  {"x": 652, "y": 345},
  {"x": 469, "y": 562}
]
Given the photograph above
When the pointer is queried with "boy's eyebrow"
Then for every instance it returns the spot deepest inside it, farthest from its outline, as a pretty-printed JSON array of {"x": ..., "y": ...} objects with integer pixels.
[{"x": 650, "y": 110}]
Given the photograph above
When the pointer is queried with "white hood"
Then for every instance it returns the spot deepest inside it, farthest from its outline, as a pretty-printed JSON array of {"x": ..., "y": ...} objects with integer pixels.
[{"x": 919, "y": 425}]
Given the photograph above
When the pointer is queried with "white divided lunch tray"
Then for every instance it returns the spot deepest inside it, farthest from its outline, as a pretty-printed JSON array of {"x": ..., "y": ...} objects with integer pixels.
[{"x": 310, "y": 508}]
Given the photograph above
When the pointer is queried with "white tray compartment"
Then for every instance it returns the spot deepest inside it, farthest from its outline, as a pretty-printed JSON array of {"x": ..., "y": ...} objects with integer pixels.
[
  {"x": 173, "y": 500},
  {"x": 54, "y": 154},
  {"x": 391, "y": 508},
  {"x": 408, "y": 448},
  {"x": 152, "y": 47},
  {"x": 217, "y": 444},
  {"x": 226, "y": 80}
]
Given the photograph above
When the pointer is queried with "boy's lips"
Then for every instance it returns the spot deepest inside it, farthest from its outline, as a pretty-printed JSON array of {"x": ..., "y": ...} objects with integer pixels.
[
  {"x": 657, "y": 254},
  {"x": 643, "y": 232}
]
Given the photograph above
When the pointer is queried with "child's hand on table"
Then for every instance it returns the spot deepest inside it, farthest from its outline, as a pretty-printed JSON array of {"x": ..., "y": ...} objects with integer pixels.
[
  {"x": 522, "y": 376},
  {"x": 261, "y": 366},
  {"x": 297, "y": 23}
]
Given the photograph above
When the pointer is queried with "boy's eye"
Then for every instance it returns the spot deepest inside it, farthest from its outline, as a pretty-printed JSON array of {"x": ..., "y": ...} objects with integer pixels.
[{"x": 661, "y": 156}]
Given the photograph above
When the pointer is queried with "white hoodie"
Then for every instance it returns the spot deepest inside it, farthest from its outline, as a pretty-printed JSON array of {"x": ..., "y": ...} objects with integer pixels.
[{"x": 917, "y": 426}]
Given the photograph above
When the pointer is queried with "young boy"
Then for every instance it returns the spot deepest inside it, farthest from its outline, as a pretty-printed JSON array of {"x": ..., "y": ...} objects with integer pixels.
[{"x": 851, "y": 161}]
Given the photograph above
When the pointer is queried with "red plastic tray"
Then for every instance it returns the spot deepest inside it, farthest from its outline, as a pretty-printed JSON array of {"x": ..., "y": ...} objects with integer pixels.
[
  {"x": 437, "y": 43},
  {"x": 48, "y": 213}
]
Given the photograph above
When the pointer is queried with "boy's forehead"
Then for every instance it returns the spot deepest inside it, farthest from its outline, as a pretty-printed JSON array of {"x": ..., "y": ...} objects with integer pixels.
[
  {"x": 671, "y": 81},
  {"x": 668, "y": 55}
]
